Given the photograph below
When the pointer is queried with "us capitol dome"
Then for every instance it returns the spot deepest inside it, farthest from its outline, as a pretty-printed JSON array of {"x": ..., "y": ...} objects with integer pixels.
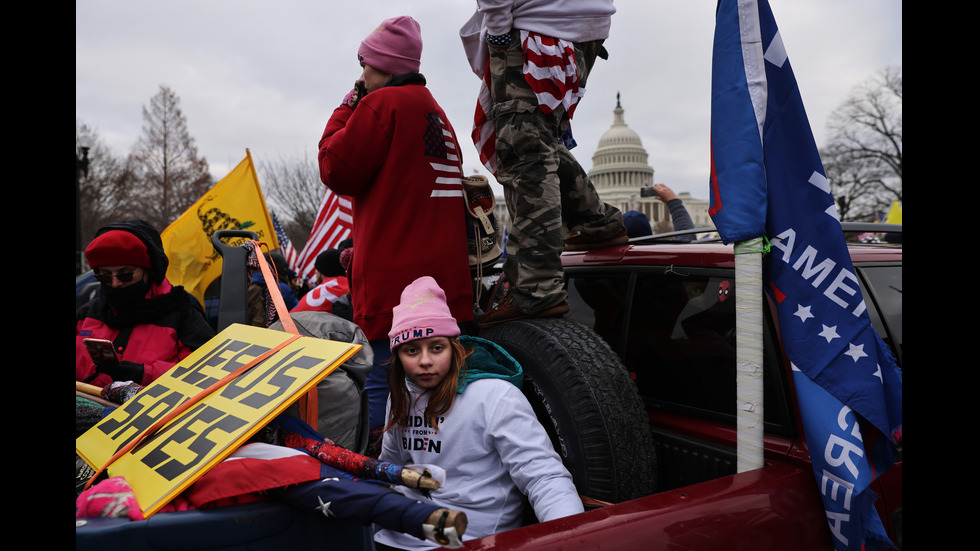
[{"x": 620, "y": 168}]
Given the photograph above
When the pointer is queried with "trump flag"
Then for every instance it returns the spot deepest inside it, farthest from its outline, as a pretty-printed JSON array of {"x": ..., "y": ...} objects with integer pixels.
[{"x": 767, "y": 180}]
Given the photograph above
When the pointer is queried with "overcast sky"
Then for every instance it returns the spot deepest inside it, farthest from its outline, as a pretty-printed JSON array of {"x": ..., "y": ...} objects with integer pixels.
[{"x": 265, "y": 76}]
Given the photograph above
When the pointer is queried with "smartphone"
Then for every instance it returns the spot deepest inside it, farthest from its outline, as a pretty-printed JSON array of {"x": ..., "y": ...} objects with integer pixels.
[{"x": 101, "y": 351}]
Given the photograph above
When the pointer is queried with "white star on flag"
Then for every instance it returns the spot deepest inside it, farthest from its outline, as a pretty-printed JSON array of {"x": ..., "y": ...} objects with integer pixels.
[
  {"x": 829, "y": 333},
  {"x": 803, "y": 312},
  {"x": 856, "y": 352},
  {"x": 324, "y": 507}
]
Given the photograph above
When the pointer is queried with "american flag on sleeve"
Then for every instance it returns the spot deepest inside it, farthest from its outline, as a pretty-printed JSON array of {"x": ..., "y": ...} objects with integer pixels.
[{"x": 440, "y": 149}]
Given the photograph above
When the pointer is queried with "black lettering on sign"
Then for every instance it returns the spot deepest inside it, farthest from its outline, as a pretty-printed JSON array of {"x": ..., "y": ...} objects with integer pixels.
[
  {"x": 189, "y": 430},
  {"x": 141, "y": 414},
  {"x": 248, "y": 394},
  {"x": 229, "y": 356}
]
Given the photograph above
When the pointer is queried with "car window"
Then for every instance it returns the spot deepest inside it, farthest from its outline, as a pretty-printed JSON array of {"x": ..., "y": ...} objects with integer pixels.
[
  {"x": 600, "y": 302},
  {"x": 882, "y": 289},
  {"x": 679, "y": 342}
]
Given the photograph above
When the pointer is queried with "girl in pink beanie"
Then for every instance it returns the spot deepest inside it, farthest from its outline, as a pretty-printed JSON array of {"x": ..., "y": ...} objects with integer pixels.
[{"x": 456, "y": 406}]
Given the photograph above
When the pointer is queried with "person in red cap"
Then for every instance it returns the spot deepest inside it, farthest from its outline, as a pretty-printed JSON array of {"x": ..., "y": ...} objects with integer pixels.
[
  {"x": 151, "y": 323},
  {"x": 391, "y": 148}
]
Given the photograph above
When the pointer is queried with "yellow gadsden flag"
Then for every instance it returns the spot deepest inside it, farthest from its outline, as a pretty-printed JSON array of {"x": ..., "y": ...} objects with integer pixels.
[{"x": 234, "y": 203}]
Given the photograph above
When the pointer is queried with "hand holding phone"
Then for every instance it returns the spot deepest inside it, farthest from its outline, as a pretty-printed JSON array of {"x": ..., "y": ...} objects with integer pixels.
[{"x": 102, "y": 352}]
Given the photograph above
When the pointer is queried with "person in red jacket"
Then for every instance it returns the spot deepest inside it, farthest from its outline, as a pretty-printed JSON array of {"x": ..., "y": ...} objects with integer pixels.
[
  {"x": 151, "y": 323},
  {"x": 391, "y": 148},
  {"x": 331, "y": 284}
]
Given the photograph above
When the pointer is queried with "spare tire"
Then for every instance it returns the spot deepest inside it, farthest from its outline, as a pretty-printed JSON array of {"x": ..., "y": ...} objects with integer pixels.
[{"x": 587, "y": 402}]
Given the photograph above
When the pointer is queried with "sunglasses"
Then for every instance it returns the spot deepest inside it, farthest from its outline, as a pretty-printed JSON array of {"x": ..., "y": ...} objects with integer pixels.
[{"x": 105, "y": 278}]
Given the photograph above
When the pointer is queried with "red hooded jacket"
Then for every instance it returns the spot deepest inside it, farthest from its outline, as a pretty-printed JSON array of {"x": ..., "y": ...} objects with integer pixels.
[{"x": 397, "y": 157}]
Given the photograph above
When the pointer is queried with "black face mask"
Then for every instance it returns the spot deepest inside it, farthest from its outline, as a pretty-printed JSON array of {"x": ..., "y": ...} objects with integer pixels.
[{"x": 122, "y": 298}]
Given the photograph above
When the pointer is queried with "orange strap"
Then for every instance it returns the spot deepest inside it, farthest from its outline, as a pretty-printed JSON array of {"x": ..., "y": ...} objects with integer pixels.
[
  {"x": 272, "y": 284},
  {"x": 190, "y": 402},
  {"x": 308, "y": 403}
]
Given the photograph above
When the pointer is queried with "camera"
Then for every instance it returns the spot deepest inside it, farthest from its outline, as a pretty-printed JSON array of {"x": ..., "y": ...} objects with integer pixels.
[{"x": 648, "y": 191}]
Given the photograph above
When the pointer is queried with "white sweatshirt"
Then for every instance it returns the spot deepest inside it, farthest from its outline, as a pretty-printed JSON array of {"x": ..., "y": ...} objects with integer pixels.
[{"x": 494, "y": 452}]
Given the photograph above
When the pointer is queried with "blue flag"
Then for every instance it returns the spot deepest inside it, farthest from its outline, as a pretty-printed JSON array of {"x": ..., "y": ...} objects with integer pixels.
[{"x": 767, "y": 180}]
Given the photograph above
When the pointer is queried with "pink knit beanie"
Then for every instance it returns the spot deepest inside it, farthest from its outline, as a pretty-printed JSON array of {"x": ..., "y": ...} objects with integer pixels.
[
  {"x": 395, "y": 47},
  {"x": 422, "y": 313}
]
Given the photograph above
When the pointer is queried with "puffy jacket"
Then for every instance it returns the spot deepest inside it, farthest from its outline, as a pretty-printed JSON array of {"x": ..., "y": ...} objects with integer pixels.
[{"x": 159, "y": 332}]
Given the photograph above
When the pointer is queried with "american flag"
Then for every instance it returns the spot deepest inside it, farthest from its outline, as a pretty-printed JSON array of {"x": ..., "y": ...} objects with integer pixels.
[
  {"x": 334, "y": 223},
  {"x": 440, "y": 148},
  {"x": 549, "y": 69},
  {"x": 285, "y": 245},
  {"x": 484, "y": 132}
]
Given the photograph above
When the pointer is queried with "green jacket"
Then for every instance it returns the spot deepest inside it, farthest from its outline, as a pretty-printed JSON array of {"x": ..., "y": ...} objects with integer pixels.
[{"x": 489, "y": 360}]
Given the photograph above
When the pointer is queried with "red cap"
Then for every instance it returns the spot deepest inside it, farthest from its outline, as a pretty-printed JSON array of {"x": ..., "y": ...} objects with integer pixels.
[{"x": 117, "y": 248}]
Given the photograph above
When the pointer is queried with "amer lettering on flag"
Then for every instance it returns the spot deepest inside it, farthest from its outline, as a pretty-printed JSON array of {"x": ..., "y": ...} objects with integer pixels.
[
  {"x": 234, "y": 203},
  {"x": 334, "y": 223},
  {"x": 767, "y": 179}
]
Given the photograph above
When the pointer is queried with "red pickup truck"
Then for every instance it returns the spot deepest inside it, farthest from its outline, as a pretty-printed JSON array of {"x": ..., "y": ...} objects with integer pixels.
[
  {"x": 637, "y": 388},
  {"x": 665, "y": 312}
]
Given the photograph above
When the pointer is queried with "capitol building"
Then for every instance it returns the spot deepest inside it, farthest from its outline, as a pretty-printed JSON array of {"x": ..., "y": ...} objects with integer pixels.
[{"x": 620, "y": 168}]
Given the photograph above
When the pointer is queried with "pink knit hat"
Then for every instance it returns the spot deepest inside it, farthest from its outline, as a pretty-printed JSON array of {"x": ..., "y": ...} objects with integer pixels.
[
  {"x": 422, "y": 313},
  {"x": 395, "y": 47}
]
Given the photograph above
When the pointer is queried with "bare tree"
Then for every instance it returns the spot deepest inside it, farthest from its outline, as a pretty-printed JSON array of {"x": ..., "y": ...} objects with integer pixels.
[
  {"x": 104, "y": 190},
  {"x": 168, "y": 175},
  {"x": 863, "y": 159},
  {"x": 293, "y": 191}
]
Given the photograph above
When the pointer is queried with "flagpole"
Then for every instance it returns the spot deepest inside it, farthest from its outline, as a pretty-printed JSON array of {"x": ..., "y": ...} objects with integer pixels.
[{"x": 748, "y": 355}]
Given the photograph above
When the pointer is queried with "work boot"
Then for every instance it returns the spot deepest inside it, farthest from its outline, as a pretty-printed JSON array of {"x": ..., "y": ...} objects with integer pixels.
[
  {"x": 506, "y": 310},
  {"x": 581, "y": 243}
]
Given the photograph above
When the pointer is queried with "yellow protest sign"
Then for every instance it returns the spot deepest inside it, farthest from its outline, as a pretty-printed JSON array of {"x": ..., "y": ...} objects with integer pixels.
[{"x": 165, "y": 463}]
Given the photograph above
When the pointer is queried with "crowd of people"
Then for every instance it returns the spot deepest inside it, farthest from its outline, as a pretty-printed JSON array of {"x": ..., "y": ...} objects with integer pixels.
[{"x": 439, "y": 397}]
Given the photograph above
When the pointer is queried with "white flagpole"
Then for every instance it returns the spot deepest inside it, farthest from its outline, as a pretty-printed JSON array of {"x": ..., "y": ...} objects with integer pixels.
[{"x": 748, "y": 356}]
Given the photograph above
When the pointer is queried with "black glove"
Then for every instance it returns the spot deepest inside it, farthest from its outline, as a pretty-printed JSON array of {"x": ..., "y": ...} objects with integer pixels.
[
  {"x": 499, "y": 41},
  {"x": 123, "y": 371}
]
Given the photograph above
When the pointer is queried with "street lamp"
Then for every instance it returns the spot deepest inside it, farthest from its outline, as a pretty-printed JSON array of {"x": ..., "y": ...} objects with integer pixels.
[{"x": 81, "y": 170}]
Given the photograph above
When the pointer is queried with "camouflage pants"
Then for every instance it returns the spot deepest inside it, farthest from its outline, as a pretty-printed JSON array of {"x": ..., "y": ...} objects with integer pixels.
[{"x": 544, "y": 185}]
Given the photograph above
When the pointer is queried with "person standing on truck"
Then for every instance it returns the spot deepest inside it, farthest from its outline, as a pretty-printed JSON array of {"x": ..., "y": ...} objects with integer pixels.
[
  {"x": 456, "y": 404},
  {"x": 151, "y": 323},
  {"x": 391, "y": 148},
  {"x": 510, "y": 45}
]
